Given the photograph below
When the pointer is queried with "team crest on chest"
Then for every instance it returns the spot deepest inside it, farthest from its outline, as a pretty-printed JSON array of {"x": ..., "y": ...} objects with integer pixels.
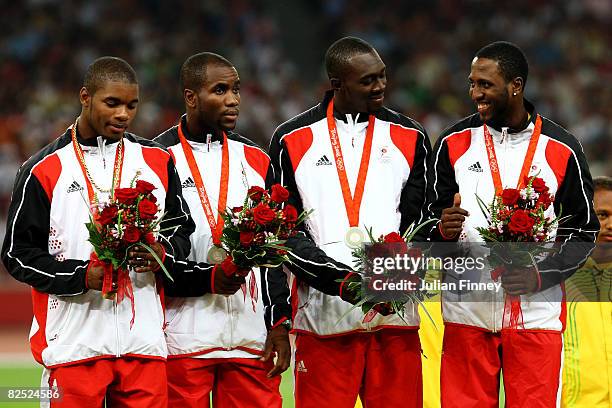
[{"x": 384, "y": 154}]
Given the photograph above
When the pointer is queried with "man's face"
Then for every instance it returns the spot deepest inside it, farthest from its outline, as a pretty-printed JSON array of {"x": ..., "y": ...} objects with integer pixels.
[
  {"x": 110, "y": 110},
  {"x": 490, "y": 91},
  {"x": 603, "y": 208},
  {"x": 363, "y": 83},
  {"x": 218, "y": 100}
]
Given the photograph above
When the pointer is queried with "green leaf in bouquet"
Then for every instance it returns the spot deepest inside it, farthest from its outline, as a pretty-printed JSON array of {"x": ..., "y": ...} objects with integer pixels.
[
  {"x": 483, "y": 207},
  {"x": 274, "y": 263},
  {"x": 232, "y": 235},
  {"x": 370, "y": 234},
  {"x": 160, "y": 219},
  {"x": 409, "y": 237},
  {"x": 157, "y": 259},
  {"x": 275, "y": 244},
  {"x": 303, "y": 216},
  {"x": 487, "y": 235},
  {"x": 289, "y": 260}
]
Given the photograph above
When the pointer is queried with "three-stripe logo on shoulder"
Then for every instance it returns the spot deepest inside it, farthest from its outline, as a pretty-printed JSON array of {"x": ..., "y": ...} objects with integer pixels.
[{"x": 75, "y": 186}]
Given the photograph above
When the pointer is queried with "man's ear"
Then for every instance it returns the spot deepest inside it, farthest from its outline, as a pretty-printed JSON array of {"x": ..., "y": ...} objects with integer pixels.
[
  {"x": 518, "y": 86},
  {"x": 335, "y": 83},
  {"x": 191, "y": 98},
  {"x": 85, "y": 97}
]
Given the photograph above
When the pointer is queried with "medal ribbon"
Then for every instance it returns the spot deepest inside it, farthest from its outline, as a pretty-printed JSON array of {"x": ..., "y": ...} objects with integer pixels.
[
  {"x": 351, "y": 203},
  {"x": 512, "y": 304},
  {"x": 493, "y": 164},
  {"x": 216, "y": 226},
  {"x": 123, "y": 283}
]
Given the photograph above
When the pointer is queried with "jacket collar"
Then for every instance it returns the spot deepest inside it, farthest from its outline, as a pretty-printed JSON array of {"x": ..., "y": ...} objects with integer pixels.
[
  {"x": 357, "y": 117},
  {"x": 216, "y": 136},
  {"x": 92, "y": 142},
  {"x": 529, "y": 107}
]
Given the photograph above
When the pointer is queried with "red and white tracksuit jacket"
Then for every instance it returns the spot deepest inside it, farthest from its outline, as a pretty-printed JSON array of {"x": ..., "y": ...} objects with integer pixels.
[
  {"x": 46, "y": 246},
  {"x": 393, "y": 198},
  {"x": 460, "y": 163},
  {"x": 200, "y": 323}
]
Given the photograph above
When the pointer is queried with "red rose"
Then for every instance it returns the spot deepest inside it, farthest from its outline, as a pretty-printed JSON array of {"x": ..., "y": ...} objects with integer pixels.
[
  {"x": 147, "y": 209},
  {"x": 149, "y": 238},
  {"x": 279, "y": 193},
  {"x": 290, "y": 213},
  {"x": 228, "y": 266},
  {"x": 539, "y": 185},
  {"x": 256, "y": 193},
  {"x": 415, "y": 253},
  {"x": 108, "y": 215},
  {"x": 131, "y": 234},
  {"x": 237, "y": 209},
  {"x": 247, "y": 225},
  {"x": 521, "y": 222},
  {"x": 395, "y": 243},
  {"x": 393, "y": 237},
  {"x": 246, "y": 238},
  {"x": 144, "y": 187},
  {"x": 545, "y": 200},
  {"x": 510, "y": 196},
  {"x": 263, "y": 214},
  {"x": 126, "y": 195},
  {"x": 378, "y": 250}
]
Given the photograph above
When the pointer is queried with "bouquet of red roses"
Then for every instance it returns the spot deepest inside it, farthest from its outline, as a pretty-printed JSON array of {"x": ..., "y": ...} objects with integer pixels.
[
  {"x": 517, "y": 217},
  {"x": 388, "y": 246},
  {"x": 254, "y": 233},
  {"x": 130, "y": 218}
]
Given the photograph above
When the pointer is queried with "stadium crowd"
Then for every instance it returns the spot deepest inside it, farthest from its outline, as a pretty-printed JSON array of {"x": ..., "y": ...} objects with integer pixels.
[{"x": 278, "y": 49}]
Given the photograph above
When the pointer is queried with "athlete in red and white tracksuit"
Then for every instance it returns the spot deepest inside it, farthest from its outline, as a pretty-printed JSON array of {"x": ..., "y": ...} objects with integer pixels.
[
  {"x": 339, "y": 355},
  {"x": 215, "y": 341},
  {"x": 86, "y": 342},
  {"x": 478, "y": 341}
]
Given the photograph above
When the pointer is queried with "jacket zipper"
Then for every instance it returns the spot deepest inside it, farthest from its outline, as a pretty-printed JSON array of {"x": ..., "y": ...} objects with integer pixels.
[
  {"x": 504, "y": 135},
  {"x": 493, "y": 314},
  {"x": 230, "y": 346},
  {"x": 118, "y": 353}
]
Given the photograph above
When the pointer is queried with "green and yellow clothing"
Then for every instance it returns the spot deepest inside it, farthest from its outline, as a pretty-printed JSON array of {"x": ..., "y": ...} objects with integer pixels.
[{"x": 587, "y": 366}]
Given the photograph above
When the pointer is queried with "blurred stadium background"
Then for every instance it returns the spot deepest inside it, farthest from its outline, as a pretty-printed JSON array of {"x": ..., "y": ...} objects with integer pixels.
[{"x": 278, "y": 48}]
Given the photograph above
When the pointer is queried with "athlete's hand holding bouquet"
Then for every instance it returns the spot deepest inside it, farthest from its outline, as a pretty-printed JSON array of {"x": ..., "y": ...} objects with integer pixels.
[
  {"x": 120, "y": 229},
  {"x": 517, "y": 232},
  {"x": 254, "y": 233},
  {"x": 362, "y": 290}
]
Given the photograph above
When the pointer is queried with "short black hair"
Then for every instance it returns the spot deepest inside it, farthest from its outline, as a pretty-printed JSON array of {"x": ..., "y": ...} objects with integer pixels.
[
  {"x": 602, "y": 183},
  {"x": 105, "y": 69},
  {"x": 193, "y": 71},
  {"x": 511, "y": 59},
  {"x": 341, "y": 51}
]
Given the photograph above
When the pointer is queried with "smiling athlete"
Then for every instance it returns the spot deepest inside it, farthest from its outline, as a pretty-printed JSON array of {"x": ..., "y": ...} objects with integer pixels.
[
  {"x": 495, "y": 148},
  {"x": 358, "y": 165}
]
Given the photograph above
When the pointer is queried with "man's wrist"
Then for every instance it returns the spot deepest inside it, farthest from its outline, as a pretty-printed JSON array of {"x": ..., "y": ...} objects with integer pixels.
[
  {"x": 284, "y": 323},
  {"x": 444, "y": 236}
]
